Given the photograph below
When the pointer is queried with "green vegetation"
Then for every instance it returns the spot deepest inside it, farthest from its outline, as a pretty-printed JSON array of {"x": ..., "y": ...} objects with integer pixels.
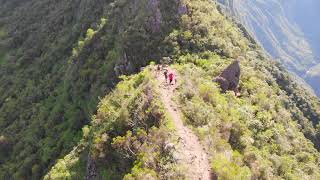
[
  {"x": 46, "y": 94},
  {"x": 3, "y": 33},
  {"x": 229, "y": 170},
  {"x": 253, "y": 136},
  {"x": 89, "y": 35},
  {"x": 2, "y": 58},
  {"x": 127, "y": 137},
  {"x": 49, "y": 93},
  {"x": 258, "y": 135}
]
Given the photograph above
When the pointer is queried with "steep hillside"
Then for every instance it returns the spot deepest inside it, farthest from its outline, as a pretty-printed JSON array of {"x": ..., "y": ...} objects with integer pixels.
[
  {"x": 128, "y": 134},
  {"x": 59, "y": 57},
  {"x": 286, "y": 30},
  {"x": 267, "y": 133},
  {"x": 38, "y": 121}
]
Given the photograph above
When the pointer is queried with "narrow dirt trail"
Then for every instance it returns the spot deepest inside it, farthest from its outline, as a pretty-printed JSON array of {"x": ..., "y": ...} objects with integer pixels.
[{"x": 190, "y": 152}]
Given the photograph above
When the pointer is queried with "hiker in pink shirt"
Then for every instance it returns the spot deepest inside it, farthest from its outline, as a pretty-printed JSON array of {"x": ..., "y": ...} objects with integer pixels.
[{"x": 171, "y": 77}]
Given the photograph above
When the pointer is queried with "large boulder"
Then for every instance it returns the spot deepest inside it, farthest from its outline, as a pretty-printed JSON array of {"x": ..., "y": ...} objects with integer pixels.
[{"x": 229, "y": 78}]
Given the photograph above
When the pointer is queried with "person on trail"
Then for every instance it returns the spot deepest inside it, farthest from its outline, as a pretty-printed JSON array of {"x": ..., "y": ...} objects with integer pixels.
[
  {"x": 171, "y": 77},
  {"x": 158, "y": 68},
  {"x": 165, "y": 72}
]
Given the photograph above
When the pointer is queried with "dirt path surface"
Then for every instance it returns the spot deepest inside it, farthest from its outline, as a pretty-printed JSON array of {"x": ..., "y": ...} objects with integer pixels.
[{"x": 190, "y": 153}]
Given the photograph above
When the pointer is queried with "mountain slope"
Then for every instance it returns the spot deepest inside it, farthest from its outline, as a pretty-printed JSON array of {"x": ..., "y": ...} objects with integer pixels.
[
  {"x": 60, "y": 57},
  {"x": 267, "y": 133},
  {"x": 38, "y": 38},
  {"x": 127, "y": 137},
  {"x": 287, "y": 31},
  {"x": 49, "y": 93}
]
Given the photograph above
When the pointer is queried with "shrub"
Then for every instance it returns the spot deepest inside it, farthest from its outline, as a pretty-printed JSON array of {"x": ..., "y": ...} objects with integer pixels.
[{"x": 227, "y": 170}]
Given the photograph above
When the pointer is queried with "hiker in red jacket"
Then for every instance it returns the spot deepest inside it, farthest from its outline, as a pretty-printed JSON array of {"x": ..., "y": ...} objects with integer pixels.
[{"x": 171, "y": 77}]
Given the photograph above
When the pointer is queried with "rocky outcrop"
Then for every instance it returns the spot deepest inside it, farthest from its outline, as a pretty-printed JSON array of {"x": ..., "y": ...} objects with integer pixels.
[
  {"x": 124, "y": 66},
  {"x": 91, "y": 170},
  {"x": 182, "y": 9},
  {"x": 154, "y": 21},
  {"x": 229, "y": 78}
]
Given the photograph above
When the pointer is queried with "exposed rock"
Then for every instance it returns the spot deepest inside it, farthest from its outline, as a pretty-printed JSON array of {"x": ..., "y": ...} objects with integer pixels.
[
  {"x": 124, "y": 66},
  {"x": 169, "y": 147},
  {"x": 166, "y": 60},
  {"x": 183, "y": 9},
  {"x": 229, "y": 78},
  {"x": 154, "y": 21},
  {"x": 142, "y": 68},
  {"x": 91, "y": 171}
]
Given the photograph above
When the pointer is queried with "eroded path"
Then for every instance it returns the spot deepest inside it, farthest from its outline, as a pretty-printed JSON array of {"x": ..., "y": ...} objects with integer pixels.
[{"x": 190, "y": 153}]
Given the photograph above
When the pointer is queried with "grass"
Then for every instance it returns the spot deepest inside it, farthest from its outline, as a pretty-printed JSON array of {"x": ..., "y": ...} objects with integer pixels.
[{"x": 2, "y": 58}]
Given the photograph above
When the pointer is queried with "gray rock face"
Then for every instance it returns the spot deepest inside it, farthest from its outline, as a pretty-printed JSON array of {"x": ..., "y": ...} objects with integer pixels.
[
  {"x": 123, "y": 66},
  {"x": 91, "y": 171},
  {"x": 154, "y": 21},
  {"x": 229, "y": 78},
  {"x": 183, "y": 9}
]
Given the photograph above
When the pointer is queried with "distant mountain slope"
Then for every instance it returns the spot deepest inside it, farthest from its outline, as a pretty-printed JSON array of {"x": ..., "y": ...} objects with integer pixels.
[
  {"x": 286, "y": 29},
  {"x": 305, "y": 14}
]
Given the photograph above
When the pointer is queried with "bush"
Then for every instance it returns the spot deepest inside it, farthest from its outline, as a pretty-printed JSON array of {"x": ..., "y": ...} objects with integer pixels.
[{"x": 227, "y": 170}]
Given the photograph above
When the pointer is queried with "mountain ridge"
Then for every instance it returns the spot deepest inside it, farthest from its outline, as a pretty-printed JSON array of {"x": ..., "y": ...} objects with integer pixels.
[{"x": 47, "y": 99}]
